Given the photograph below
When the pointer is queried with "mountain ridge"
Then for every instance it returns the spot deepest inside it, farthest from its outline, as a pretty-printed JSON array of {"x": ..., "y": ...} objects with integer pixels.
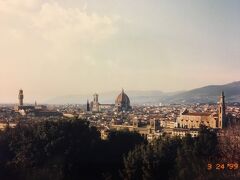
[{"x": 205, "y": 94}]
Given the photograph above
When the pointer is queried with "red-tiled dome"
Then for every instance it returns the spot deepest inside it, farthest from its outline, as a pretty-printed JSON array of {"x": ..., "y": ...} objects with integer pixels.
[{"x": 122, "y": 98}]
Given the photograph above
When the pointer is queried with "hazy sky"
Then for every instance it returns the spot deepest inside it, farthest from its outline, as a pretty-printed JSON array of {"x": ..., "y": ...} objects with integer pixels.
[{"x": 57, "y": 47}]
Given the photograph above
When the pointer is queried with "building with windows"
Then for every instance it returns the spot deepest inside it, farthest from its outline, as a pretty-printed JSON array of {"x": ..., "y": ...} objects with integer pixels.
[
  {"x": 122, "y": 103},
  {"x": 196, "y": 119},
  {"x": 34, "y": 110}
]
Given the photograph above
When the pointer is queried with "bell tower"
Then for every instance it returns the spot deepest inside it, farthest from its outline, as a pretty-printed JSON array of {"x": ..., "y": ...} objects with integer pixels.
[
  {"x": 221, "y": 111},
  {"x": 95, "y": 98},
  {"x": 88, "y": 106},
  {"x": 95, "y": 107},
  {"x": 20, "y": 97}
]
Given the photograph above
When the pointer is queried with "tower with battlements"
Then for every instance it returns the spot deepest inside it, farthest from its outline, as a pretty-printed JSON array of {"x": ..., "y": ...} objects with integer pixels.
[{"x": 20, "y": 97}]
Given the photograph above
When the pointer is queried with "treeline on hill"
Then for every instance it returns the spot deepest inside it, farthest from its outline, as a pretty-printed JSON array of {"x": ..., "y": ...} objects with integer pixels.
[{"x": 70, "y": 149}]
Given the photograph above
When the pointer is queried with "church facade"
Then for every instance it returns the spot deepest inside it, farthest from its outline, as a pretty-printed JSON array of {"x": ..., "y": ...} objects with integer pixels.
[
  {"x": 122, "y": 103},
  {"x": 196, "y": 119}
]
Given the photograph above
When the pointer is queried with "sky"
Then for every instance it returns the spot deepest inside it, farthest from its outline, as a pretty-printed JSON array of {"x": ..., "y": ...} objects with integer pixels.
[{"x": 54, "y": 48}]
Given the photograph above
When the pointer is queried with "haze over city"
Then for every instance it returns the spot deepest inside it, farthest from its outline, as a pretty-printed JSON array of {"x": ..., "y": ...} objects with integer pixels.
[
  {"x": 119, "y": 89},
  {"x": 53, "y": 48}
]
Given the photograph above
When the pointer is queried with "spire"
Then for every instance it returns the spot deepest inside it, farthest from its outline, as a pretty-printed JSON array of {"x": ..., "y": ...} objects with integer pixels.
[
  {"x": 222, "y": 93},
  {"x": 122, "y": 90},
  {"x": 88, "y": 106},
  {"x": 221, "y": 111},
  {"x": 222, "y": 98}
]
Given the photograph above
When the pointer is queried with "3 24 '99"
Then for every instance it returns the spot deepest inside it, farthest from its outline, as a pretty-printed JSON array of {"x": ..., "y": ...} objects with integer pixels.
[{"x": 223, "y": 166}]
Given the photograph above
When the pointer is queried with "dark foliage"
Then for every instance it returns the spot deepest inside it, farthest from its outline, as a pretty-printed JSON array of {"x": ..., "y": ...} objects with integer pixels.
[
  {"x": 61, "y": 149},
  {"x": 70, "y": 149},
  {"x": 166, "y": 158}
]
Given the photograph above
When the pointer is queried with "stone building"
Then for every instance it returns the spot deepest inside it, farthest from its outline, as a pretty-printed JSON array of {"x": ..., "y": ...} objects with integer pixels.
[
  {"x": 20, "y": 97},
  {"x": 195, "y": 119},
  {"x": 95, "y": 104},
  {"x": 33, "y": 110},
  {"x": 150, "y": 131},
  {"x": 122, "y": 103}
]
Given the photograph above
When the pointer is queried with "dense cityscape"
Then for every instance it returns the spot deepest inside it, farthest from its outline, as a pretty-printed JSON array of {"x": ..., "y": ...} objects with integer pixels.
[
  {"x": 150, "y": 121},
  {"x": 150, "y": 124},
  {"x": 119, "y": 90}
]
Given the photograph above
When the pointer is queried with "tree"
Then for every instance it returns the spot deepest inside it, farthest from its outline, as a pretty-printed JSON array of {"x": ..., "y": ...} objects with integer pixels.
[
  {"x": 206, "y": 143},
  {"x": 151, "y": 161},
  {"x": 229, "y": 147},
  {"x": 194, "y": 155},
  {"x": 49, "y": 149},
  {"x": 119, "y": 143},
  {"x": 173, "y": 158},
  {"x": 62, "y": 149}
]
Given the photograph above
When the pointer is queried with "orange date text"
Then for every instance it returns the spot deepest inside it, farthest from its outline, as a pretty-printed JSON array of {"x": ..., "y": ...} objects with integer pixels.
[{"x": 223, "y": 166}]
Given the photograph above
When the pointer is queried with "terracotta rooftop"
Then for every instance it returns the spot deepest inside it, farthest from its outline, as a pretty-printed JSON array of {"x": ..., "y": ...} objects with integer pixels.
[{"x": 197, "y": 114}]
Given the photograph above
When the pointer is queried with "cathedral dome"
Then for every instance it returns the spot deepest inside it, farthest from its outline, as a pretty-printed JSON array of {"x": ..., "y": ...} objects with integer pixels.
[
  {"x": 122, "y": 101},
  {"x": 122, "y": 98}
]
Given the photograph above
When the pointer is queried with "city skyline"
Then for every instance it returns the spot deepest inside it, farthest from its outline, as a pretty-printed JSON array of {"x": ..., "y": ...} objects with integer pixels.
[
  {"x": 54, "y": 48},
  {"x": 203, "y": 94}
]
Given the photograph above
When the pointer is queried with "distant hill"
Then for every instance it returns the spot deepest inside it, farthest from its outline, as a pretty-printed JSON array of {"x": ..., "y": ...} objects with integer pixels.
[
  {"x": 137, "y": 97},
  {"x": 207, "y": 94}
]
